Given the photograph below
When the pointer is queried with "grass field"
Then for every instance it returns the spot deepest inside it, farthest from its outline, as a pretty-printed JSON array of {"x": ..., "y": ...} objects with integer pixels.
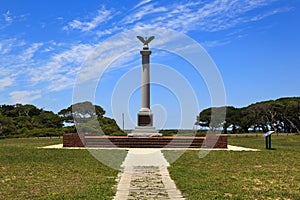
[
  {"x": 267, "y": 174},
  {"x": 27, "y": 172}
]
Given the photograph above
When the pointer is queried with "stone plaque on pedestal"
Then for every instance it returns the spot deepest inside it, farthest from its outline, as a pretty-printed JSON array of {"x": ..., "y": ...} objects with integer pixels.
[{"x": 145, "y": 119}]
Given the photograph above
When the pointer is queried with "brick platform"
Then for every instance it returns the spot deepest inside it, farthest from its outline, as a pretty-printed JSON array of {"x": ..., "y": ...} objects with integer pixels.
[
  {"x": 73, "y": 140},
  {"x": 216, "y": 141},
  {"x": 210, "y": 141}
]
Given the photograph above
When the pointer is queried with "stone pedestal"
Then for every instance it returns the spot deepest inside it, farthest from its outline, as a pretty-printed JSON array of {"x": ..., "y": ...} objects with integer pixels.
[
  {"x": 145, "y": 119},
  {"x": 144, "y": 131}
]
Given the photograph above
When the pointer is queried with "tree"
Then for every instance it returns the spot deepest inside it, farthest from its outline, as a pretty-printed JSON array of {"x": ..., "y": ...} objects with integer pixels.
[
  {"x": 203, "y": 119},
  {"x": 90, "y": 119},
  {"x": 80, "y": 112},
  {"x": 47, "y": 119},
  {"x": 109, "y": 126},
  {"x": 278, "y": 115},
  {"x": 23, "y": 120},
  {"x": 20, "y": 110},
  {"x": 212, "y": 117},
  {"x": 7, "y": 126},
  {"x": 232, "y": 116}
]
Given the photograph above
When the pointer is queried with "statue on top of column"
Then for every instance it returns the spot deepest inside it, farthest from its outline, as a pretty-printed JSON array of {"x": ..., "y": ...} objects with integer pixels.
[{"x": 145, "y": 41}]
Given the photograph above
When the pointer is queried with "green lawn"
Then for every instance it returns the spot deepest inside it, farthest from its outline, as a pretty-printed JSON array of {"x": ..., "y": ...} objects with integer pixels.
[
  {"x": 268, "y": 174},
  {"x": 27, "y": 172}
]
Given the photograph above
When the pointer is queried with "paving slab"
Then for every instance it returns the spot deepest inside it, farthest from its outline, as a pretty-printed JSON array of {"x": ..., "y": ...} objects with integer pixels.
[{"x": 147, "y": 177}]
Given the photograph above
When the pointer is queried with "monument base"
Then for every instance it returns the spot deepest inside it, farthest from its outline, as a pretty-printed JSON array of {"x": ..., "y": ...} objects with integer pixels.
[
  {"x": 144, "y": 131},
  {"x": 145, "y": 118}
]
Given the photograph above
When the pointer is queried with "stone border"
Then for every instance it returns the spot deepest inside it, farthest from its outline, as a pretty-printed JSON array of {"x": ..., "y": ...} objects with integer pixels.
[{"x": 229, "y": 148}]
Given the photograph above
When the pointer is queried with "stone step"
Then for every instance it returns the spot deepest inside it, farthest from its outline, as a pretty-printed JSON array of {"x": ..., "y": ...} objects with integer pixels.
[
  {"x": 147, "y": 142},
  {"x": 74, "y": 140},
  {"x": 143, "y": 146}
]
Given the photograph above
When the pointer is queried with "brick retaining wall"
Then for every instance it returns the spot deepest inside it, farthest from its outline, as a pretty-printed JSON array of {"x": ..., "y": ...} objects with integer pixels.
[
  {"x": 216, "y": 141},
  {"x": 210, "y": 141},
  {"x": 72, "y": 140}
]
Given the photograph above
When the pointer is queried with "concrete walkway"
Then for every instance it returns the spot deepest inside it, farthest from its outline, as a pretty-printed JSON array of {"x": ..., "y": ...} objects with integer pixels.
[{"x": 145, "y": 176}]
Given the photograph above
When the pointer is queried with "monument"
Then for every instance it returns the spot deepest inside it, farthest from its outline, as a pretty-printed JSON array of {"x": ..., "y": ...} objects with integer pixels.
[
  {"x": 145, "y": 126},
  {"x": 142, "y": 135}
]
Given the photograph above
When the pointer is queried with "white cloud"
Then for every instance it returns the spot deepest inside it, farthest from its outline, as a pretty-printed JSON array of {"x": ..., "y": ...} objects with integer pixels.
[
  {"x": 143, "y": 2},
  {"x": 108, "y": 31},
  {"x": 143, "y": 12},
  {"x": 6, "y": 82},
  {"x": 24, "y": 96},
  {"x": 59, "y": 64},
  {"x": 7, "y": 17},
  {"x": 16, "y": 57},
  {"x": 269, "y": 13},
  {"x": 214, "y": 16},
  {"x": 61, "y": 69},
  {"x": 7, "y": 45},
  {"x": 56, "y": 70},
  {"x": 30, "y": 51},
  {"x": 103, "y": 15},
  {"x": 21, "y": 51},
  {"x": 214, "y": 43}
]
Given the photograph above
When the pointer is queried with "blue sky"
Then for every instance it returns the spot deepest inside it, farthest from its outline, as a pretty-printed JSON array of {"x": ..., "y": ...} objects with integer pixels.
[{"x": 44, "y": 44}]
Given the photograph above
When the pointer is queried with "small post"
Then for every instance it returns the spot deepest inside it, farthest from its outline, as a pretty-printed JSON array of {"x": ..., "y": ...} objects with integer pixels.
[{"x": 123, "y": 121}]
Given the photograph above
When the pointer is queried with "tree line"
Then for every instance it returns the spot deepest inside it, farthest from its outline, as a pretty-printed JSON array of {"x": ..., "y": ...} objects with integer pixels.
[
  {"x": 29, "y": 121},
  {"x": 281, "y": 115}
]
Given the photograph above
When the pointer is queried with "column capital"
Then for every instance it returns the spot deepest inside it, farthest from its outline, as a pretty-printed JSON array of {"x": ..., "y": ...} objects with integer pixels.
[{"x": 145, "y": 52}]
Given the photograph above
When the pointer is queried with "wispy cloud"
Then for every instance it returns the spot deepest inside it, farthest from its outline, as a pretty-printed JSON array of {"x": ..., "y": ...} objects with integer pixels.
[
  {"x": 55, "y": 66},
  {"x": 215, "y": 16},
  {"x": 143, "y": 2},
  {"x": 184, "y": 16},
  {"x": 143, "y": 12},
  {"x": 7, "y": 16},
  {"x": 5, "y": 82},
  {"x": 24, "y": 96},
  {"x": 102, "y": 16},
  {"x": 7, "y": 45},
  {"x": 61, "y": 69},
  {"x": 29, "y": 52},
  {"x": 214, "y": 43},
  {"x": 17, "y": 57},
  {"x": 6, "y": 19},
  {"x": 108, "y": 31}
]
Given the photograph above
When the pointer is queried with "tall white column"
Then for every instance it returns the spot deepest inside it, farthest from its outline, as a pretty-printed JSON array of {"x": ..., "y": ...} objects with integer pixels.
[
  {"x": 145, "y": 116},
  {"x": 144, "y": 126},
  {"x": 145, "y": 87}
]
